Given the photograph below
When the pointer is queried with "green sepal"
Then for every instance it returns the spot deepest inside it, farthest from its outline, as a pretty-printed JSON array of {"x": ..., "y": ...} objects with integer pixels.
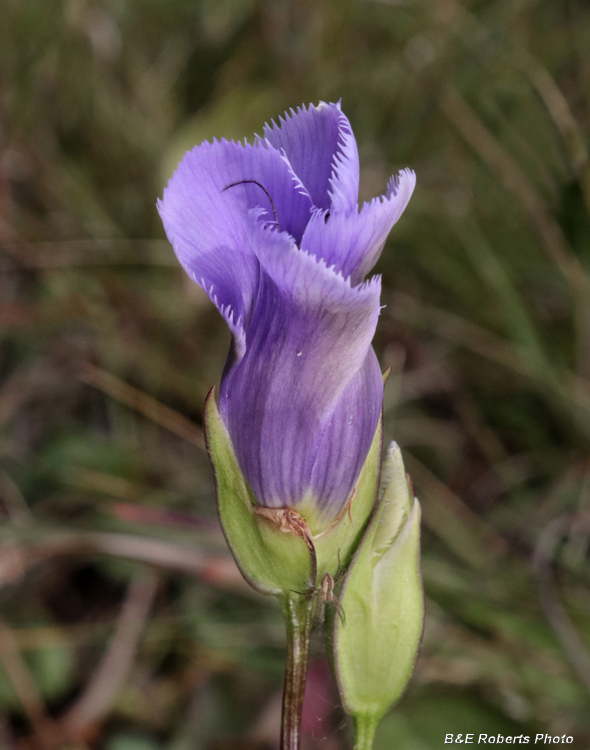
[
  {"x": 272, "y": 561},
  {"x": 378, "y": 628}
]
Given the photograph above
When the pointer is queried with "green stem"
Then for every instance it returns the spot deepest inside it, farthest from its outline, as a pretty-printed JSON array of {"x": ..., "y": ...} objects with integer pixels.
[
  {"x": 365, "y": 726},
  {"x": 298, "y": 611}
]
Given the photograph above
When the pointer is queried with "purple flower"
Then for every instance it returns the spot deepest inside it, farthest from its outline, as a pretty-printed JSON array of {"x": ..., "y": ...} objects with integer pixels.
[{"x": 273, "y": 234}]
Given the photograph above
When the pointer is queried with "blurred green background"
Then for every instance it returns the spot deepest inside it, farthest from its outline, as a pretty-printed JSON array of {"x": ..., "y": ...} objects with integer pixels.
[{"x": 124, "y": 625}]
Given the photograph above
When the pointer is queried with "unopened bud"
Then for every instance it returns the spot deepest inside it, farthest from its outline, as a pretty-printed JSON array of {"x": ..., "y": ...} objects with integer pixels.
[{"x": 376, "y": 639}]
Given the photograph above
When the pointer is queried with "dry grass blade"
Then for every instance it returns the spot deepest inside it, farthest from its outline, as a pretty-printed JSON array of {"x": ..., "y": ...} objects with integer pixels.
[
  {"x": 516, "y": 182},
  {"x": 69, "y": 253},
  {"x": 566, "y": 387},
  {"x": 15, "y": 391},
  {"x": 548, "y": 230},
  {"x": 151, "y": 551},
  {"x": 142, "y": 403},
  {"x": 18, "y": 554},
  {"x": 469, "y": 536},
  {"x": 562, "y": 116},
  {"x": 460, "y": 331},
  {"x": 114, "y": 667},
  {"x": 16, "y": 506},
  {"x": 469, "y": 27},
  {"x": 45, "y": 730},
  {"x": 553, "y": 608}
]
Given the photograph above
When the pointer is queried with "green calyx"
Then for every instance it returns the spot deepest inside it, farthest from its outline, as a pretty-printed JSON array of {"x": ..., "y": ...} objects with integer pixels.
[
  {"x": 271, "y": 560},
  {"x": 377, "y": 637},
  {"x": 284, "y": 551}
]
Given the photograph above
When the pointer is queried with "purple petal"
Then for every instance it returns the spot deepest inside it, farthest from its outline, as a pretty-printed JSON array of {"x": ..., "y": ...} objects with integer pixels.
[
  {"x": 321, "y": 148},
  {"x": 348, "y": 436},
  {"x": 209, "y": 224},
  {"x": 308, "y": 338},
  {"x": 352, "y": 242}
]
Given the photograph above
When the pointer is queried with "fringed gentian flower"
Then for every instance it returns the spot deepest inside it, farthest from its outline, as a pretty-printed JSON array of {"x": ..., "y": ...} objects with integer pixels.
[{"x": 274, "y": 235}]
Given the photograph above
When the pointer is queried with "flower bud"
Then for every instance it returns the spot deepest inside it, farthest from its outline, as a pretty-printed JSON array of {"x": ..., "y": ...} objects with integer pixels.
[{"x": 378, "y": 623}]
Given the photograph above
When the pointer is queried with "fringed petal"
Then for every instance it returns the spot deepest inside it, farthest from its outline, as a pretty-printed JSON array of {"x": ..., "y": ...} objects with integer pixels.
[
  {"x": 320, "y": 146},
  {"x": 352, "y": 242}
]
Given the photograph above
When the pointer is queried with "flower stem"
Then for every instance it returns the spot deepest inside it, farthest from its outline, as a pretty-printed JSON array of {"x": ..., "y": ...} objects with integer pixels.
[
  {"x": 298, "y": 611},
  {"x": 365, "y": 726}
]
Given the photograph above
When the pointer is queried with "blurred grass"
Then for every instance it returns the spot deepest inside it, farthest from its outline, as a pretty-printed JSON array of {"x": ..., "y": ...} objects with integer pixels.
[{"x": 486, "y": 328}]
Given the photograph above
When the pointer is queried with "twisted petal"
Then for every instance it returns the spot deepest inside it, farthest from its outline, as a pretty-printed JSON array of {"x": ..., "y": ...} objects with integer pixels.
[
  {"x": 209, "y": 223},
  {"x": 352, "y": 242},
  {"x": 348, "y": 435},
  {"x": 320, "y": 146},
  {"x": 308, "y": 339}
]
